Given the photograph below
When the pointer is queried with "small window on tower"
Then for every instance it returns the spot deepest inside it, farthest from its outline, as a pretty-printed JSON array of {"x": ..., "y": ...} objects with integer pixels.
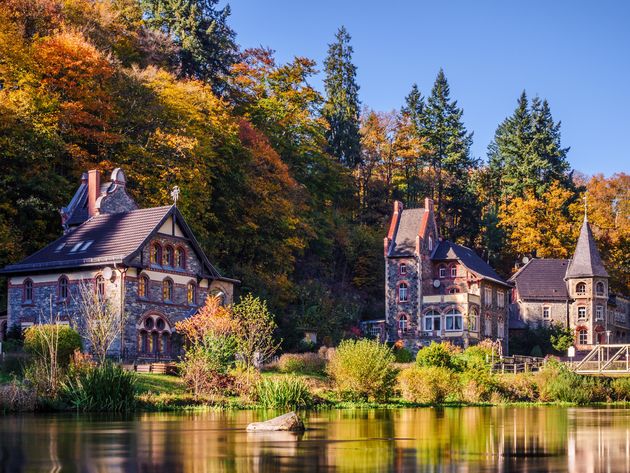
[{"x": 403, "y": 268}]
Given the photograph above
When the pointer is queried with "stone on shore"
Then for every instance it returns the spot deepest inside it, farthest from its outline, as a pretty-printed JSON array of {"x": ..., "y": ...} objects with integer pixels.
[{"x": 286, "y": 422}]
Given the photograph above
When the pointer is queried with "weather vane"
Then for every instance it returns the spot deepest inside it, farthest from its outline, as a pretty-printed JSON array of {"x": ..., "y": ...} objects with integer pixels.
[{"x": 175, "y": 195}]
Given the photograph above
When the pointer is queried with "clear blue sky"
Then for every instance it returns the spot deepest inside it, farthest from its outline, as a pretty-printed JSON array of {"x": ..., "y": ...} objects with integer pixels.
[{"x": 574, "y": 53}]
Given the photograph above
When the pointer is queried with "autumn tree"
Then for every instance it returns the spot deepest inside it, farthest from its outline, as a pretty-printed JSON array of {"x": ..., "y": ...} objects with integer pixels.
[
  {"x": 341, "y": 109},
  {"x": 256, "y": 327},
  {"x": 545, "y": 226}
]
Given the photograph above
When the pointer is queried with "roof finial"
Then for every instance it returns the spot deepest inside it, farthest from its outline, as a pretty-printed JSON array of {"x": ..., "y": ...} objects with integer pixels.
[
  {"x": 585, "y": 206},
  {"x": 175, "y": 195}
]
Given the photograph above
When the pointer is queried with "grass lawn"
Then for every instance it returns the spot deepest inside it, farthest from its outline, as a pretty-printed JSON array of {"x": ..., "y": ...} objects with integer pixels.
[{"x": 159, "y": 383}]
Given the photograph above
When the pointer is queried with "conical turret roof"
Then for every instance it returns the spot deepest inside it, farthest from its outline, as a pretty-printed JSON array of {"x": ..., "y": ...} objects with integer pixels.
[{"x": 586, "y": 261}]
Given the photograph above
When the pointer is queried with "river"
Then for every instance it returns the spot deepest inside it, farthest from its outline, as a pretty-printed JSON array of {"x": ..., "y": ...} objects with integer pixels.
[{"x": 469, "y": 439}]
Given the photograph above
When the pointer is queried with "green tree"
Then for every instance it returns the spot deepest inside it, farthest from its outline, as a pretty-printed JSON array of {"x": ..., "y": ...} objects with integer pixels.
[
  {"x": 450, "y": 162},
  {"x": 341, "y": 109},
  {"x": 206, "y": 43}
]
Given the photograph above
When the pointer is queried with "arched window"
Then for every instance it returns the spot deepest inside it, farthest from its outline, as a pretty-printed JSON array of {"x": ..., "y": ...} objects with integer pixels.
[
  {"x": 167, "y": 290},
  {"x": 403, "y": 292},
  {"x": 143, "y": 286},
  {"x": 100, "y": 286},
  {"x": 453, "y": 270},
  {"x": 403, "y": 268},
  {"x": 403, "y": 323},
  {"x": 600, "y": 289},
  {"x": 580, "y": 288},
  {"x": 453, "y": 321},
  {"x": 191, "y": 293},
  {"x": 582, "y": 336},
  {"x": 156, "y": 253},
  {"x": 63, "y": 288},
  {"x": 432, "y": 321},
  {"x": 180, "y": 257},
  {"x": 473, "y": 320},
  {"x": 169, "y": 256},
  {"x": 27, "y": 295},
  {"x": 154, "y": 336}
]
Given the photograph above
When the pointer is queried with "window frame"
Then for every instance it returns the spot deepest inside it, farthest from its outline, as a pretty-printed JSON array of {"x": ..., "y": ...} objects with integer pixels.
[
  {"x": 487, "y": 300},
  {"x": 599, "y": 312},
  {"x": 500, "y": 299},
  {"x": 155, "y": 253},
  {"x": 63, "y": 285},
  {"x": 403, "y": 288},
  {"x": 169, "y": 256},
  {"x": 453, "y": 315},
  {"x": 473, "y": 321},
  {"x": 180, "y": 257},
  {"x": 433, "y": 316},
  {"x": 99, "y": 286},
  {"x": 453, "y": 270},
  {"x": 442, "y": 272},
  {"x": 602, "y": 293},
  {"x": 403, "y": 323},
  {"x": 582, "y": 333},
  {"x": 402, "y": 269},
  {"x": 168, "y": 283},
  {"x": 581, "y": 308},
  {"x": 546, "y": 313},
  {"x": 578, "y": 288},
  {"x": 143, "y": 286},
  {"x": 28, "y": 291},
  {"x": 191, "y": 290}
]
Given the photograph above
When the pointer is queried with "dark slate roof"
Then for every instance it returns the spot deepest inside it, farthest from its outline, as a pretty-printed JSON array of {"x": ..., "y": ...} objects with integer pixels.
[
  {"x": 113, "y": 237},
  {"x": 404, "y": 243},
  {"x": 77, "y": 209},
  {"x": 586, "y": 261},
  {"x": 542, "y": 279},
  {"x": 447, "y": 250}
]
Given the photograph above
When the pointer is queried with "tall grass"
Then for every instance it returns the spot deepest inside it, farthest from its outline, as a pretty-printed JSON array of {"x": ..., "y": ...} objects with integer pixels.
[
  {"x": 288, "y": 392},
  {"x": 101, "y": 388}
]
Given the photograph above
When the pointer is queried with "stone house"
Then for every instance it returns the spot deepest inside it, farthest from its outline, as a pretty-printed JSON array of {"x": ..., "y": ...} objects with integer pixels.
[
  {"x": 145, "y": 261},
  {"x": 436, "y": 290},
  {"x": 573, "y": 293}
]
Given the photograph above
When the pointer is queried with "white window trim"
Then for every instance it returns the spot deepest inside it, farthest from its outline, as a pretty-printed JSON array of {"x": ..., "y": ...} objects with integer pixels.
[{"x": 442, "y": 272}]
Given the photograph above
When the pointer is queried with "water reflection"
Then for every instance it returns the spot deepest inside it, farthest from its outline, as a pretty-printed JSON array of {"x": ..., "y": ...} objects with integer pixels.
[{"x": 510, "y": 439}]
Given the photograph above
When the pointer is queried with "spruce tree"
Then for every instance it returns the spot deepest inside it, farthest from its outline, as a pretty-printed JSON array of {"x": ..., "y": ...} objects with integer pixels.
[
  {"x": 341, "y": 109},
  {"x": 526, "y": 153},
  {"x": 449, "y": 144},
  {"x": 207, "y": 47}
]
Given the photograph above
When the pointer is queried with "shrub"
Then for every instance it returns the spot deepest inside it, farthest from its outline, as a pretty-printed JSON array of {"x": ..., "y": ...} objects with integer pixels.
[
  {"x": 106, "y": 388},
  {"x": 13, "y": 364},
  {"x": 568, "y": 386},
  {"x": 362, "y": 369},
  {"x": 621, "y": 389},
  {"x": 475, "y": 355},
  {"x": 245, "y": 380},
  {"x": 518, "y": 387},
  {"x": 37, "y": 340},
  {"x": 287, "y": 392},
  {"x": 428, "y": 384},
  {"x": 442, "y": 355},
  {"x": 403, "y": 355},
  {"x": 304, "y": 363},
  {"x": 479, "y": 384},
  {"x": 202, "y": 373},
  {"x": 16, "y": 397}
]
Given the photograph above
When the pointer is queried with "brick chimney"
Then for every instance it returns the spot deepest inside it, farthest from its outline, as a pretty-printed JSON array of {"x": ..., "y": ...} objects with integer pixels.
[{"x": 94, "y": 190}]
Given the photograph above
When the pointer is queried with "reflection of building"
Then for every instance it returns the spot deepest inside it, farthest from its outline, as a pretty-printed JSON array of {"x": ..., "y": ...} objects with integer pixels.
[
  {"x": 572, "y": 293},
  {"x": 146, "y": 261},
  {"x": 436, "y": 290}
]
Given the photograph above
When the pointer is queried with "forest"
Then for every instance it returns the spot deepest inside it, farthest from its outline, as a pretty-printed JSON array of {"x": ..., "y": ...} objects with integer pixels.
[{"x": 287, "y": 188}]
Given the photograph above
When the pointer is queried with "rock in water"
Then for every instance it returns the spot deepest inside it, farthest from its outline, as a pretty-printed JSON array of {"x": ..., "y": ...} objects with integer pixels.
[{"x": 287, "y": 422}]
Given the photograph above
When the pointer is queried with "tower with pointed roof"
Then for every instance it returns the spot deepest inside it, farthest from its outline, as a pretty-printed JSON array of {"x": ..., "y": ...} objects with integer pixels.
[{"x": 587, "y": 285}]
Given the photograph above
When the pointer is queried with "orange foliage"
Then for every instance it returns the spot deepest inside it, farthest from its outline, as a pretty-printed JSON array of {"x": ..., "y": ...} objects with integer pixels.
[{"x": 212, "y": 319}]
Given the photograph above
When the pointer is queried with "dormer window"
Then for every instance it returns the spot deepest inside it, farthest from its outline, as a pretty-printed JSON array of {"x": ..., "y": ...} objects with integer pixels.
[
  {"x": 580, "y": 289},
  {"x": 403, "y": 268}
]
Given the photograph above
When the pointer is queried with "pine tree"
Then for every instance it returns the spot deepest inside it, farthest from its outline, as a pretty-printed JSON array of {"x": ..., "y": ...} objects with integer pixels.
[
  {"x": 207, "y": 47},
  {"x": 341, "y": 109},
  {"x": 449, "y": 144},
  {"x": 526, "y": 154}
]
